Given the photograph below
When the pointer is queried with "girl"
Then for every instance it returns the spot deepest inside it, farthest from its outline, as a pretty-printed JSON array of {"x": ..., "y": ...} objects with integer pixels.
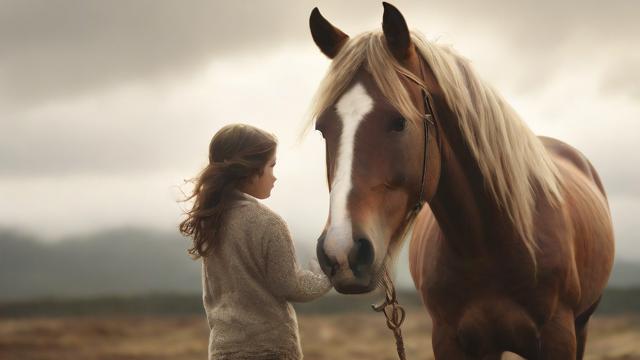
[{"x": 249, "y": 272}]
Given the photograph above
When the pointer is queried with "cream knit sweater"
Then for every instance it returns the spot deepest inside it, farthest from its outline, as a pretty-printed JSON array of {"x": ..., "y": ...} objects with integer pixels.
[{"x": 247, "y": 285}]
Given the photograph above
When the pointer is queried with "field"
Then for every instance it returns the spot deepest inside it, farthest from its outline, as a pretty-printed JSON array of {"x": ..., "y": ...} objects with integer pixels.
[{"x": 324, "y": 336}]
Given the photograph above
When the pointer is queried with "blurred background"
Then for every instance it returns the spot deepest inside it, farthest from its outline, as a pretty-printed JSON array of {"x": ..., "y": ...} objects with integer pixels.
[{"x": 107, "y": 107}]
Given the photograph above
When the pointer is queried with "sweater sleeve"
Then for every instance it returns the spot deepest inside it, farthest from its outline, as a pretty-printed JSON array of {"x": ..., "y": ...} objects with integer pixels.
[{"x": 284, "y": 277}]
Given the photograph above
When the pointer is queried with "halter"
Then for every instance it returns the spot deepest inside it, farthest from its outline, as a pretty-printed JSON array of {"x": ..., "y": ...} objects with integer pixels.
[
  {"x": 429, "y": 118},
  {"x": 395, "y": 313}
]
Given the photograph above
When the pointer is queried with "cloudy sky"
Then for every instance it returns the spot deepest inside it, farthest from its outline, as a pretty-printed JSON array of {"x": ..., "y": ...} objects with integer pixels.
[{"x": 107, "y": 106}]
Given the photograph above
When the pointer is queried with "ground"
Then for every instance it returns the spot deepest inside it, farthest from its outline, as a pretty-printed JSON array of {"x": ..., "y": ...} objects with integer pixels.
[{"x": 337, "y": 336}]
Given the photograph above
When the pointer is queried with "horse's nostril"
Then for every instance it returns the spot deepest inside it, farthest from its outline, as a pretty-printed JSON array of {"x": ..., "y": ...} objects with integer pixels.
[
  {"x": 327, "y": 264},
  {"x": 334, "y": 268},
  {"x": 361, "y": 255}
]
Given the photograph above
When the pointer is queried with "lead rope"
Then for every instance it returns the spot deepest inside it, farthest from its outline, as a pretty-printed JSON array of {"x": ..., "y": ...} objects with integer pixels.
[{"x": 394, "y": 313}]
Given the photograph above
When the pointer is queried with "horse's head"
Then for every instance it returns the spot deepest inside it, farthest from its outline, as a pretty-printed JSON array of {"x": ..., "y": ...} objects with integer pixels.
[{"x": 370, "y": 110}]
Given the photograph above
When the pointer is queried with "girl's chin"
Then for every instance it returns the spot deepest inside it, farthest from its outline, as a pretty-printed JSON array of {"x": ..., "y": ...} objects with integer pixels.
[{"x": 264, "y": 196}]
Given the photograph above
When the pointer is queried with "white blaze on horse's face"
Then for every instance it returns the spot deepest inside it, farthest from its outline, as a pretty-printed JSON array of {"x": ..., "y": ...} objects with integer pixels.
[
  {"x": 372, "y": 170},
  {"x": 352, "y": 108}
]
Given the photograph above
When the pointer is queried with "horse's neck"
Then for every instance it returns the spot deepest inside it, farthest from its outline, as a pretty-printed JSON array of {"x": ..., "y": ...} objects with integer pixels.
[{"x": 469, "y": 217}]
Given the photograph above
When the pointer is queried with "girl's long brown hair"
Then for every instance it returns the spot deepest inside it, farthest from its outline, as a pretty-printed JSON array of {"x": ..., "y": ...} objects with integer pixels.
[{"x": 236, "y": 153}]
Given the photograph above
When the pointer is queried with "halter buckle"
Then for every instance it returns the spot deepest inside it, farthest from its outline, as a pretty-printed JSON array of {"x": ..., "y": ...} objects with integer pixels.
[{"x": 429, "y": 118}]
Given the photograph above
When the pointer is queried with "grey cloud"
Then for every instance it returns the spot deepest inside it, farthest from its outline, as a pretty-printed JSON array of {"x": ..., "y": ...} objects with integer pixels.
[
  {"x": 55, "y": 48},
  {"x": 612, "y": 148},
  {"x": 541, "y": 24},
  {"x": 614, "y": 164},
  {"x": 620, "y": 180},
  {"x": 545, "y": 37},
  {"x": 73, "y": 154},
  {"x": 98, "y": 143},
  {"x": 623, "y": 78}
]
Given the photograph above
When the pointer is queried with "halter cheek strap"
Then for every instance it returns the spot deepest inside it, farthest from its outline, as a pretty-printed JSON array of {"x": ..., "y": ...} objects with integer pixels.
[{"x": 427, "y": 120}]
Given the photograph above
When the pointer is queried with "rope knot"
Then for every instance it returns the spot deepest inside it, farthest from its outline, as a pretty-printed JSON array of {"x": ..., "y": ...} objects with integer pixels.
[{"x": 394, "y": 313}]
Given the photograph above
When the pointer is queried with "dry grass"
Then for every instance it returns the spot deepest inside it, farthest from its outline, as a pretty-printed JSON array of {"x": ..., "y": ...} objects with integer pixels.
[{"x": 340, "y": 336}]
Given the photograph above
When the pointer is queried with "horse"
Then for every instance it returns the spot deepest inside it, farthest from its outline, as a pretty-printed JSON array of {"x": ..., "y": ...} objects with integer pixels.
[{"x": 516, "y": 245}]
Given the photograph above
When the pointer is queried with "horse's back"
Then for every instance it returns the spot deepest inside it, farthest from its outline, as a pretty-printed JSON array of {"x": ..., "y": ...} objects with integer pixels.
[{"x": 562, "y": 150}]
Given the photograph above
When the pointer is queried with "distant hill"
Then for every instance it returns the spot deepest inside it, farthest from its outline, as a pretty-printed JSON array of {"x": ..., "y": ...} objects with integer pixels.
[
  {"x": 116, "y": 262},
  {"x": 131, "y": 261},
  {"x": 626, "y": 274}
]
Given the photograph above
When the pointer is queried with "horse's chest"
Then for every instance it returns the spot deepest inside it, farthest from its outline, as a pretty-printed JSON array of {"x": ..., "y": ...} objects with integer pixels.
[
  {"x": 447, "y": 289},
  {"x": 450, "y": 285},
  {"x": 479, "y": 305}
]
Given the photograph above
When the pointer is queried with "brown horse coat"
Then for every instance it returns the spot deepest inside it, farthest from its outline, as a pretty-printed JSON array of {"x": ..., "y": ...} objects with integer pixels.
[
  {"x": 516, "y": 245},
  {"x": 481, "y": 300}
]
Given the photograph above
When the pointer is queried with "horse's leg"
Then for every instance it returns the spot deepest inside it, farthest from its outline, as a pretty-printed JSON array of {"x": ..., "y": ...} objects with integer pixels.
[
  {"x": 581, "y": 340},
  {"x": 493, "y": 357},
  {"x": 558, "y": 336},
  {"x": 445, "y": 346},
  {"x": 581, "y": 323}
]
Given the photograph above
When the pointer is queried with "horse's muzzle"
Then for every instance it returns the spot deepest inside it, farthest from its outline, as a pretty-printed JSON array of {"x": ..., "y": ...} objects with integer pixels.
[{"x": 354, "y": 276}]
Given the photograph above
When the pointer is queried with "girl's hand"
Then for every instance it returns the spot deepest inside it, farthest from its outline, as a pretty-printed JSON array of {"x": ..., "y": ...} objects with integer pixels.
[{"x": 314, "y": 266}]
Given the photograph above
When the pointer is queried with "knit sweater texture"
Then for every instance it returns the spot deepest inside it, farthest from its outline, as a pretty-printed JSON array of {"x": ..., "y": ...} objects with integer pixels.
[{"x": 248, "y": 283}]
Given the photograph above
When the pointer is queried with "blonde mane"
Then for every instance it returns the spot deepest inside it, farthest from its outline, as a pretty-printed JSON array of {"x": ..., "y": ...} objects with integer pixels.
[{"x": 511, "y": 158}]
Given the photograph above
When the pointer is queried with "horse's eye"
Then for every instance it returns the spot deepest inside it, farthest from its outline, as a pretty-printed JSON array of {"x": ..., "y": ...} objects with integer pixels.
[{"x": 398, "y": 124}]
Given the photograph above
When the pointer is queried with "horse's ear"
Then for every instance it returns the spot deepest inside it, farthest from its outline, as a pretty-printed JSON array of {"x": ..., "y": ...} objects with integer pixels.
[
  {"x": 328, "y": 38},
  {"x": 396, "y": 32}
]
